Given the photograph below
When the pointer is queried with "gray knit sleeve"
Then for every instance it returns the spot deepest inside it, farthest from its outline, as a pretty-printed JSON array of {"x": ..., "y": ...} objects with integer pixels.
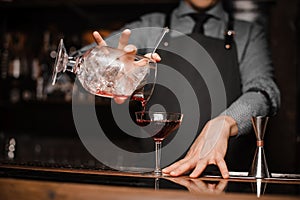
[{"x": 261, "y": 95}]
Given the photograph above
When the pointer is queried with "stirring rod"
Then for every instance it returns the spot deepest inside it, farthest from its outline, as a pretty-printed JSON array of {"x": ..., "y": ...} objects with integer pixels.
[{"x": 166, "y": 30}]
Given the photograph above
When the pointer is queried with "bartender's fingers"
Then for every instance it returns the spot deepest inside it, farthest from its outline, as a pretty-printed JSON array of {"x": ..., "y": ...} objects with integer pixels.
[
  {"x": 120, "y": 100},
  {"x": 200, "y": 167},
  {"x": 124, "y": 38},
  {"x": 182, "y": 168},
  {"x": 141, "y": 63},
  {"x": 223, "y": 168},
  {"x": 128, "y": 57},
  {"x": 98, "y": 39},
  {"x": 202, "y": 164},
  {"x": 174, "y": 166},
  {"x": 130, "y": 49},
  {"x": 153, "y": 56}
]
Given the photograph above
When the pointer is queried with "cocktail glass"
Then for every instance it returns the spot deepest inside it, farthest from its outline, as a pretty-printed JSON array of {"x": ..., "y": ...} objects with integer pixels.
[{"x": 158, "y": 125}]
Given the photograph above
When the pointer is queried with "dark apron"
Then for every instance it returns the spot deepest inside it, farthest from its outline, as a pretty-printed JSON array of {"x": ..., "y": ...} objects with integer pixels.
[
  {"x": 226, "y": 60},
  {"x": 238, "y": 155}
]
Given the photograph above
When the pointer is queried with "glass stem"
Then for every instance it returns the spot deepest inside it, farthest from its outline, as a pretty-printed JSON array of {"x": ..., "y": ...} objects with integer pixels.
[
  {"x": 156, "y": 187},
  {"x": 157, "y": 170},
  {"x": 72, "y": 64}
]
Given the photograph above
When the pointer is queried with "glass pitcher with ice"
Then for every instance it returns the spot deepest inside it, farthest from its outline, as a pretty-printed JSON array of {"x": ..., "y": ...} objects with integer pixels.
[{"x": 109, "y": 72}]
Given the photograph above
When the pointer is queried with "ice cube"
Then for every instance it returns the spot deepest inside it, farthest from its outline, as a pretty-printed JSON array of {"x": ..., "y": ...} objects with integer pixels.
[{"x": 129, "y": 81}]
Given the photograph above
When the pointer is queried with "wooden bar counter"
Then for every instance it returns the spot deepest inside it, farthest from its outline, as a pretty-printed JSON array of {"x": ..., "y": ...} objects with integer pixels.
[{"x": 25, "y": 182}]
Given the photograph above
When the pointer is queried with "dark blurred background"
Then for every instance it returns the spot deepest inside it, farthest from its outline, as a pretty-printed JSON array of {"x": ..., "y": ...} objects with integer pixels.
[{"x": 37, "y": 115}]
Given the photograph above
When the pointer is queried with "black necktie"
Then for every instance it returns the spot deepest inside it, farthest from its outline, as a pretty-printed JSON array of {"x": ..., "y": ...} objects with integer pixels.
[{"x": 200, "y": 19}]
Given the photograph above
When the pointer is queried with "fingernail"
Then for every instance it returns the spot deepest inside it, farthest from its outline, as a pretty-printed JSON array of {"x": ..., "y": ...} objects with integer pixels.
[
  {"x": 226, "y": 175},
  {"x": 173, "y": 173},
  {"x": 127, "y": 30},
  {"x": 128, "y": 49}
]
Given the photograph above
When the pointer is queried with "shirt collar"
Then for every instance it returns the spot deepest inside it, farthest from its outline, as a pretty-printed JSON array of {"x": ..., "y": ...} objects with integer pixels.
[{"x": 217, "y": 11}]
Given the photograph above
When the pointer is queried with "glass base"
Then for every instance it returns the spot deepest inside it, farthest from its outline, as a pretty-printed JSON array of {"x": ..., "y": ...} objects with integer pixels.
[
  {"x": 157, "y": 173},
  {"x": 154, "y": 174}
]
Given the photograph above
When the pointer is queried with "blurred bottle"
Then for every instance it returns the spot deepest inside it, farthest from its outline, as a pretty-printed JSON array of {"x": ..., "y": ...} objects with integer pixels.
[
  {"x": 4, "y": 65},
  {"x": 36, "y": 75},
  {"x": 21, "y": 85},
  {"x": 28, "y": 84},
  {"x": 44, "y": 61},
  {"x": 14, "y": 71},
  {"x": 5, "y": 55}
]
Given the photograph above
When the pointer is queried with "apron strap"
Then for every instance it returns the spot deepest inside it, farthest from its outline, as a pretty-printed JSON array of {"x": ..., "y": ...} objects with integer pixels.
[{"x": 228, "y": 35}]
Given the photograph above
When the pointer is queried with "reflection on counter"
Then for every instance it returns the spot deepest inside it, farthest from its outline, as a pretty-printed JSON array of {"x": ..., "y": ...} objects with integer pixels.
[
  {"x": 288, "y": 189},
  {"x": 201, "y": 186},
  {"x": 259, "y": 187}
]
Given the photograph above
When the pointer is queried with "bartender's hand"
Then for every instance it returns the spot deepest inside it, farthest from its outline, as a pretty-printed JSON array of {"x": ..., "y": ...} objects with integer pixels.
[
  {"x": 209, "y": 148},
  {"x": 123, "y": 44},
  {"x": 128, "y": 48}
]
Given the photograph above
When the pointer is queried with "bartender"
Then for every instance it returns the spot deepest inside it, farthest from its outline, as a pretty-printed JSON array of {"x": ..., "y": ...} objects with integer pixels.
[{"x": 243, "y": 59}]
